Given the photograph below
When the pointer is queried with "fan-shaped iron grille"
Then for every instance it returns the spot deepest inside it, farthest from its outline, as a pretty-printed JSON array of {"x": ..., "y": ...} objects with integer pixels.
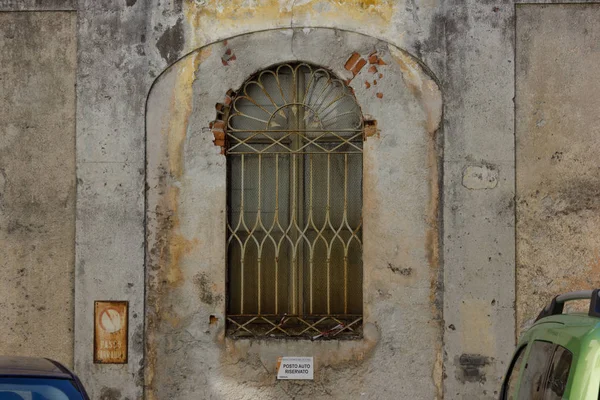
[{"x": 294, "y": 223}]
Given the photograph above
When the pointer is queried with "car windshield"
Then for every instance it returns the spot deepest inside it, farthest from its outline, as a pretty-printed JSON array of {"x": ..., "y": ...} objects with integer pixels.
[{"x": 16, "y": 388}]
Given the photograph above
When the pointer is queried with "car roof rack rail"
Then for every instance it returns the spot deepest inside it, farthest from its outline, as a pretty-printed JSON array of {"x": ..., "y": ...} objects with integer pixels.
[{"x": 557, "y": 304}]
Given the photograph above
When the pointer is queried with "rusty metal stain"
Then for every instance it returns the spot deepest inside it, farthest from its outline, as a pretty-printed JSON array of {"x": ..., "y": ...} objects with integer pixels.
[{"x": 111, "y": 324}]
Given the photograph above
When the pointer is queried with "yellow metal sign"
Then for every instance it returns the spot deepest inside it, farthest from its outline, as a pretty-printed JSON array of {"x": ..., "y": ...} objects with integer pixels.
[{"x": 110, "y": 332}]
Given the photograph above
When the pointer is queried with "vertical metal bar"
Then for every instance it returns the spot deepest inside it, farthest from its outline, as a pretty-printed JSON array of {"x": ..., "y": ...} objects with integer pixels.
[
  {"x": 345, "y": 218},
  {"x": 243, "y": 246},
  {"x": 298, "y": 143},
  {"x": 310, "y": 213},
  {"x": 293, "y": 234},
  {"x": 327, "y": 218},
  {"x": 275, "y": 221},
  {"x": 257, "y": 224}
]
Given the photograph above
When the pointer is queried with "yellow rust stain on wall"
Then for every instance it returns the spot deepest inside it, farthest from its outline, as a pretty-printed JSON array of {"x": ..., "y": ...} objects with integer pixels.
[
  {"x": 170, "y": 245},
  {"x": 229, "y": 13},
  {"x": 180, "y": 109},
  {"x": 423, "y": 87},
  {"x": 381, "y": 11}
]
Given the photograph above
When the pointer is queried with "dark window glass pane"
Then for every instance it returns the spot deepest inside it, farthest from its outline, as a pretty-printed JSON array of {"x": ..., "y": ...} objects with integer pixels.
[
  {"x": 559, "y": 374},
  {"x": 513, "y": 377},
  {"x": 38, "y": 389},
  {"x": 532, "y": 384}
]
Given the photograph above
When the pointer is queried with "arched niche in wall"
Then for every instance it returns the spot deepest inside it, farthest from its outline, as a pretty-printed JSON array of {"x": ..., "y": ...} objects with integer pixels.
[{"x": 187, "y": 351}]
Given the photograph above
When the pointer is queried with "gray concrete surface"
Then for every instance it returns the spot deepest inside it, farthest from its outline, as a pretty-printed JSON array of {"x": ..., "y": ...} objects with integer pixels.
[
  {"x": 112, "y": 84},
  {"x": 478, "y": 198},
  {"x": 37, "y": 183},
  {"x": 558, "y": 137}
]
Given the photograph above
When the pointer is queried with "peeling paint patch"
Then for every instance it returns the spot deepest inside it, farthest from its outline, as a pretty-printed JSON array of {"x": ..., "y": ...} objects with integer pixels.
[
  {"x": 471, "y": 367},
  {"x": 206, "y": 289},
  {"x": 170, "y": 43},
  {"x": 477, "y": 177},
  {"x": 110, "y": 394}
]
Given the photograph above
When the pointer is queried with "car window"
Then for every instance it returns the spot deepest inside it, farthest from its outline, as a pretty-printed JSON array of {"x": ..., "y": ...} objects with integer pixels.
[
  {"x": 16, "y": 388},
  {"x": 534, "y": 372},
  {"x": 559, "y": 374},
  {"x": 513, "y": 376}
]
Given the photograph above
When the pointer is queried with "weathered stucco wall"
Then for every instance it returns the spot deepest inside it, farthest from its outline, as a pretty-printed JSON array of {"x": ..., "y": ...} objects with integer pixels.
[
  {"x": 124, "y": 45},
  {"x": 479, "y": 278},
  {"x": 401, "y": 348},
  {"x": 37, "y": 183},
  {"x": 558, "y": 137}
]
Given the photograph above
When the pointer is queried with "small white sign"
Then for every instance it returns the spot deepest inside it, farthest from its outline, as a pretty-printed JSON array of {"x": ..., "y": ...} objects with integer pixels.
[{"x": 295, "y": 368}]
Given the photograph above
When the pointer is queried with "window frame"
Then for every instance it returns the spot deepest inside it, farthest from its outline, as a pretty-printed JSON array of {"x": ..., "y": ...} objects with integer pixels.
[{"x": 342, "y": 325}]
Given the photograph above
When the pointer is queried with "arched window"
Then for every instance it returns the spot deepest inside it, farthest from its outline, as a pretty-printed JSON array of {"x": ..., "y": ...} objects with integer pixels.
[{"x": 294, "y": 223}]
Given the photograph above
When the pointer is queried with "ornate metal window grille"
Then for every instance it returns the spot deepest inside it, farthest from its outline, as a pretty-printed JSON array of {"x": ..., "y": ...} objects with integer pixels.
[{"x": 294, "y": 223}]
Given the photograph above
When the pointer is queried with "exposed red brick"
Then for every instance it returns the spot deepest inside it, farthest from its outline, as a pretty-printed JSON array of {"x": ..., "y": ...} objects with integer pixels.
[
  {"x": 225, "y": 63},
  {"x": 218, "y": 124},
  {"x": 379, "y": 95},
  {"x": 380, "y": 76},
  {"x": 229, "y": 97},
  {"x": 228, "y": 52},
  {"x": 355, "y": 63},
  {"x": 373, "y": 58},
  {"x": 218, "y": 134},
  {"x": 374, "y": 81},
  {"x": 359, "y": 65},
  {"x": 381, "y": 62},
  {"x": 218, "y": 130},
  {"x": 367, "y": 84},
  {"x": 352, "y": 61},
  {"x": 372, "y": 69}
]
